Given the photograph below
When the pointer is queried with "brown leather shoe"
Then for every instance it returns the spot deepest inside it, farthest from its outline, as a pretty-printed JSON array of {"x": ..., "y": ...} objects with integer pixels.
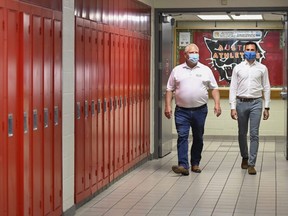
[
  {"x": 180, "y": 170},
  {"x": 251, "y": 170},
  {"x": 196, "y": 169},
  {"x": 244, "y": 164}
]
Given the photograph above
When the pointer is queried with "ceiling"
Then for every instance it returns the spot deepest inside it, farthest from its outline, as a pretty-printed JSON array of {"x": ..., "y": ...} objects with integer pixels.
[{"x": 186, "y": 16}]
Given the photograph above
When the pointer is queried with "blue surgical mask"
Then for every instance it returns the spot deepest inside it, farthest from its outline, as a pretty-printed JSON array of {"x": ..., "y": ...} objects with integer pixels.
[
  {"x": 250, "y": 55},
  {"x": 194, "y": 57}
]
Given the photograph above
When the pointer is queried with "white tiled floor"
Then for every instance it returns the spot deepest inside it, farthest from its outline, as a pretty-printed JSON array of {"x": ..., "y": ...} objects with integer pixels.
[{"x": 222, "y": 189}]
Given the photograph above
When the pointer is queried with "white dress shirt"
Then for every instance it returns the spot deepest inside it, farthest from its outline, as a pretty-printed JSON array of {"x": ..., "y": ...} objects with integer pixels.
[
  {"x": 248, "y": 81},
  {"x": 191, "y": 84}
]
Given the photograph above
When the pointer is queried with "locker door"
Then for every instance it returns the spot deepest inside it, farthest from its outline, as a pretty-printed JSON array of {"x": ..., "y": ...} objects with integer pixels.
[
  {"x": 57, "y": 115},
  {"x": 131, "y": 101},
  {"x": 134, "y": 99},
  {"x": 106, "y": 107},
  {"x": 125, "y": 102},
  {"x": 79, "y": 110},
  {"x": 93, "y": 84},
  {"x": 120, "y": 84},
  {"x": 141, "y": 90},
  {"x": 37, "y": 135},
  {"x": 99, "y": 10},
  {"x": 3, "y": 118},
  {"x": 117, "y": 140},
  {"x": 100, "y": 109},
  {"x": 105, "y": 11},
  {"x": 14, "y": 157},
  {"x": 111, "y": 112},
  {"x": 87, "y": 103},
  {"x": 27, "y": 110},
  {"x": 48, "y": 124}
]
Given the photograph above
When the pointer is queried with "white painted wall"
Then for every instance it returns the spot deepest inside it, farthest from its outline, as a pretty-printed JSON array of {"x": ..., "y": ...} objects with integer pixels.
[{"x": 68, "y": 104}]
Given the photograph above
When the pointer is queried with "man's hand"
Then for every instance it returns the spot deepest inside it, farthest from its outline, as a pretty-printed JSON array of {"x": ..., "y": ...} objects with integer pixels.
[
  {"x": 217, "y": 111},
  {"x": 234, "y": 114},
  {"x": 265, "y": 114},
  {"x": 168, "y": 112}
]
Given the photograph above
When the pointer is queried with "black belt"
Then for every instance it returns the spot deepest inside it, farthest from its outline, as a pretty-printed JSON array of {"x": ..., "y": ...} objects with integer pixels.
[
  {"x": 193, "y": 108},
  {"x": 247, "y": 99}
]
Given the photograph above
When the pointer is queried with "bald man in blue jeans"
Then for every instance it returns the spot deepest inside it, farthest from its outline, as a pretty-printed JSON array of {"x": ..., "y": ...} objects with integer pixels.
[{"x": 190, "y": 82}]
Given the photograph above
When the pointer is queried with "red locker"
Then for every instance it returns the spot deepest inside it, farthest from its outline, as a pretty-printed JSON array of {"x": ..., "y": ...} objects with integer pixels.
[
  {"x": 47, "y": 115},
  {"x": 106, "y": 107},
  {"x": 79, "y": 111},
  {"x": 94, "y": 87},
  {"x": 111, "y": 104},
  {"x": 37, "y": 115},
  {"x": 130, "y": 102},
  {"x": 100, "y": 109},
  {"x": 27, "y": 109},
  {"x": 87, "y": 104},
  {"x": 57, "y": 113},
  {"x": 125, "y": 53},
  {"x": 14, "y": 171},
  {"x": 105, "y": 11},
  {"x": 3, "y": 116},
  {"x": 99, "y": 10}
]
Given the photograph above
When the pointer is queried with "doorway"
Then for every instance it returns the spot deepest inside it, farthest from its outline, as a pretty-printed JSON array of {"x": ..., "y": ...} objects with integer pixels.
[{"x": 272, "y": 26}]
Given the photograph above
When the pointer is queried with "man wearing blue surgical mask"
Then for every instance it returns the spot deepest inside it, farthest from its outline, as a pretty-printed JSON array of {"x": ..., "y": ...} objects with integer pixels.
[
  {"x": 249, "y": 81},
  {"x": 190, "y": 82}
]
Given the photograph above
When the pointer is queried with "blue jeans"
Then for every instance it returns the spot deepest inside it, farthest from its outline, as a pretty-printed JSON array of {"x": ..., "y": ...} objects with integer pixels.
[
  {"x": 249, "y": 111},
  {"x": 184, "y": 119}
]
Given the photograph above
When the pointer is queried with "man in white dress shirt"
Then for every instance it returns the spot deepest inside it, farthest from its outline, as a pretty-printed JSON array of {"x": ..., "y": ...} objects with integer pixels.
[
  {"x": 190, "y": 81},
  {"x": 249, "y": 81}
]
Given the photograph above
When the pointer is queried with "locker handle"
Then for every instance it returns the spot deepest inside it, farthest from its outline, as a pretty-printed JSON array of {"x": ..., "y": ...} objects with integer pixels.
[
  {"x": 125, "y": 101},
  {"x": 120, "y": 102},
  {"x": 56, "y": 115},
  {"x": 99, "y": 106},
  {"x": 35, "y": 119},
  {"x": 78, "y": 110},
  {"x": 10, "y": 125},
  {"x": 110, "y": 104},
  {"x": 104, "y": 105},
  {"x": 115, "y": 102},
  {"x": 25, "y": 122},
  {"x": 46, "y": 117},
  {"x": 86, "y": 108},
  {"x": 92, "y": 107}
]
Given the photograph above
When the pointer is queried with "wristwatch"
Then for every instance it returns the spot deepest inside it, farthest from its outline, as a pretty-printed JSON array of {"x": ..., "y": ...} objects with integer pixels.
[{"x": 267, "y": 108}]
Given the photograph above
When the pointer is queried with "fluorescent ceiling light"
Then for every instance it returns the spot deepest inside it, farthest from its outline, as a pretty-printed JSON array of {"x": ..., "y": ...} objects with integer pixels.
[
  {"x": 214, "y": 17},
  {"x": 247, "y": 17}
]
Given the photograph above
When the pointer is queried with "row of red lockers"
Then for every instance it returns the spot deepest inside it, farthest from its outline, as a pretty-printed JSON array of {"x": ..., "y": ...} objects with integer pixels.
[
  {"x": 111, "y": 105},
  {"x": 31, "y": 107},
  {"x": 125, "y": 14},
  {"x": 31, "y": 94}
]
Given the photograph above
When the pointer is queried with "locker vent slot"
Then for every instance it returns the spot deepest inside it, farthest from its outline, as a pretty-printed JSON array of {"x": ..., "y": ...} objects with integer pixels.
[
  {"x": 10, "y": 125},
  {"x": 25, "y": 122},
  {"x": 56, "y": 115},
  {"x": 46, "y": 116},
  {"x": 78, "y": 110},
  {"x": 92, "y": 107},
  {"x": 35, "y": 119}
]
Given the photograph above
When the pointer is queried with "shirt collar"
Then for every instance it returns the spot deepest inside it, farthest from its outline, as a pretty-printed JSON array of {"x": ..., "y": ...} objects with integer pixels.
[
  {"x": 247, "y": 63},
  {"x": 187, "y": 67}
]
